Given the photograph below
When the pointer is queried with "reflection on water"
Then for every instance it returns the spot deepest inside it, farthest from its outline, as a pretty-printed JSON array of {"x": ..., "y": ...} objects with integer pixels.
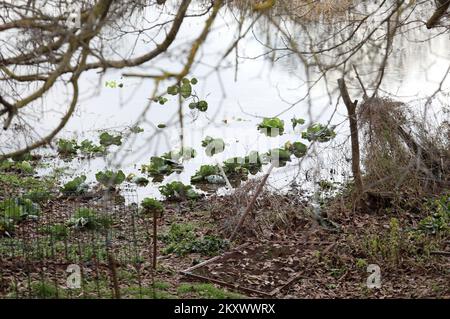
[{"x": 267, "y": 83}]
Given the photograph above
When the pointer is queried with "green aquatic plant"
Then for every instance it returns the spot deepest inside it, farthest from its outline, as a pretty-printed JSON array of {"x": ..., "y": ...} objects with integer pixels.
[
  {"x": 107, "y": 139},
  {"x": 89, "y": 148},
  {"x": 76, "y": 186},
  {"x": 213, "y": 146},
  {"x": 204, "y": 172},
  {"x": 271, "y": 127},
  {"x": 185, "y": 153},
  {"x": 279, "y": 157},
  {"x": 67, "y": 148},
  {"x": 320, "y": 133},
  {"x": 160, "y": 167},
  {"x": 110, "y": 178},
  {"x": 178, "y": 191},
  {"x": 136, "y": 129},
  {"x": 298, "y": 149},
  {"x": 296, "y": 122}
]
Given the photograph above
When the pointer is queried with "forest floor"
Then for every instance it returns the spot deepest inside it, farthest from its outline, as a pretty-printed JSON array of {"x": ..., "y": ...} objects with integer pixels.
[{"x": 294, "y": 259}]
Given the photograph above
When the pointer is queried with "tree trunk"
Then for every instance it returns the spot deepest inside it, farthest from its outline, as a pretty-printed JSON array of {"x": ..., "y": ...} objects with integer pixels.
[{"x": 351, "y": 110}]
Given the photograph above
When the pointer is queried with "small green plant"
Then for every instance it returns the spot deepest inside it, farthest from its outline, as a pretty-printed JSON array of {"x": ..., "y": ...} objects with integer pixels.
[
  {"x": 181, "y": 240},
  {"x": 213, "y": 146},
  {"x": 85, "y": 218},
  {"x": 204, "y": 172},
  {"x": 160, "y": 167},
  {"x": 201, "y": 105},
  {"x": 45, "y": 290},
  {"x": 207, "y": 291},
  {"x": 75, "y": 187},
  {"x": 152, "y": 206},
  {"x": 38, "y": 196},
  {"x": 141, "y": 181},
  {"x": 110, "y": 179},
  {"x": 22, "y": 167},
  {"x": 279, "y": 157},
  {"x": 136, "y": 129},
  {"x": 320, "y": 133},
  {"x": 107, "y": 139},
  {"x": 178, "y": 191},
  {"x": 67, "y": 148},
  {"x": 57, "y": 231},
  {"x": 296, "y": 122},
  {"x": 361, "y": 264},
  {"x": 15, "y": 210},
  {"x": 439, "y": 219},
  {"x": 271, "y": 127},
  {"x": 89, "y": 148},
  {"x": 185, "y": 153}
]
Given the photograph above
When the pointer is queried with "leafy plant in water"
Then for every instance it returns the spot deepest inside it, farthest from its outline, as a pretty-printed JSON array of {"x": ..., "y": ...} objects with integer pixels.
[
  {"x": 279, "y": 157},
  {"x": 141, "y": 181},
  {"x": 298, "y": 149},
  {"x": 77, "y": 186},
  {"x": 110, "y": 178},
  {"x": 213, "y": 146},
  {"x": 296, "y": 122},
  {"x": 185, "y": 153},
  {"x": 271, "y": 127},
  {"x": 67, "y": 147},
  {"x": 320, "y": 133},
  {"x": 160, "y": 166},
  {"x": 89, "y": 148},
  {"x": 204, "y": 172},
  {"x": 235, "y": 168},
  {"x": 107, "y": 139},
  {"x": 178, "y": 191},
  {"x": 136, "y": 129}
]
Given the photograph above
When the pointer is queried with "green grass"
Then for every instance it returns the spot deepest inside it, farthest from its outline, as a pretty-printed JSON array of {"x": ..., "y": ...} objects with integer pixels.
[{"x": 207, "y": 291}]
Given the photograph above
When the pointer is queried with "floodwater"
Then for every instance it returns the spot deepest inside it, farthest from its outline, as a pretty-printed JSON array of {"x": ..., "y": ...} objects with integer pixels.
[{"x": 237, "y": 99}]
